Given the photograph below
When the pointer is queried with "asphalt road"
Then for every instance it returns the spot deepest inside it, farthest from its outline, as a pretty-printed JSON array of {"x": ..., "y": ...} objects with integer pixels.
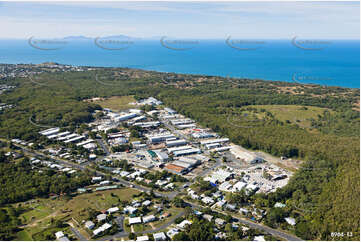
[
  {"x": 104, "y": 147},
  {"x": 78, "y": 234}
]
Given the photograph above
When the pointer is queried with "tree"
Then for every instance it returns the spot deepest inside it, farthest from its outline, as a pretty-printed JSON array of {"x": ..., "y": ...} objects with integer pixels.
[{"x": 181, "y": 236}]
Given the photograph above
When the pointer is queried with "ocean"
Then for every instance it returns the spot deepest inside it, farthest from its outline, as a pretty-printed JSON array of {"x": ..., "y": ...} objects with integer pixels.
[{"x": 333, "y": 63}]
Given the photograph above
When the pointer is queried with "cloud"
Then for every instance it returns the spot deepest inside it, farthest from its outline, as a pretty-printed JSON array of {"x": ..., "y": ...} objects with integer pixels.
[{"x": 181, "y": 19}]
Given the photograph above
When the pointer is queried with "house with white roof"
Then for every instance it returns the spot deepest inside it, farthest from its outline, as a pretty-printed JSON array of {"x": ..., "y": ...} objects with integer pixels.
[
  {"x": 291, "y": 221},
  {"x": 96, "y": 178},
  {"x": 207, "y": 200},
  {"x": 219, "y": 221},
  {"x": 130, "y": 209},
  {"x": 159, "y": 236},
  {"x": 259, "y": 238},
  {"x": 279, "y": 205},
  {"x": 59, "y": 234},
  {"x": 220, "y": 203},
  {"x": 135, "y": 220},
  {"x": 143, "y": 238},
  {"x": 101, "y": 217},
  {"x": 146, "y": 203},
  {"x": 102, "y": 228},
  {"x": 239, "y": 186},
  {"x": 172, "y": 232},
  {"x": 243, "y": 211},
  {"x": 225, "y": 186},
  {"x": 89, "y": 225},
  {"x": 124, "y": 173},
  {"x": 149, "y": 218},
  {"x": 208, "y": 217},
  {"x": 183, "y": 224},
  {"x": 113, "y": 210},
  {"x": 64, "y": 238}
]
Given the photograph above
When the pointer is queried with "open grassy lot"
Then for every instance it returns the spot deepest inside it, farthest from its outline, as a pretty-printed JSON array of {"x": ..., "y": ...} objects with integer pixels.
[
  {"x": 98, "y": 201},
  {"x": 116, "y": 103},
  {"x": 23, "y": 236},
  {"x": 40, "y": 212},
  {"x": 296, "y": 114},
  {"x": 37, "y": 229}
]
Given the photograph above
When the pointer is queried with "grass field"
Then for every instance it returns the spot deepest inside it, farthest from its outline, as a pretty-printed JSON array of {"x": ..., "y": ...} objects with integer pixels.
[
  {"x": 39, "y": 211},
  {"x": 42, "y": 211},
  {"x": 23, "y": 236},
  {"x": 116, "y": 103},
  {"x": 296, "y": 114},
  {"x": 98, "y": 201}
]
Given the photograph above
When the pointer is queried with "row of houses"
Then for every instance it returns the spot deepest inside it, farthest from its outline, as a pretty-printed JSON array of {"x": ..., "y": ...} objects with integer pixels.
[{"x": 68, "y": 137}]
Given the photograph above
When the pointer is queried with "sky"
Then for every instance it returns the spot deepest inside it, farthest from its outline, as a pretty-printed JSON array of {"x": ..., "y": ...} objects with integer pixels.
[{"x": 197, "y": 20}]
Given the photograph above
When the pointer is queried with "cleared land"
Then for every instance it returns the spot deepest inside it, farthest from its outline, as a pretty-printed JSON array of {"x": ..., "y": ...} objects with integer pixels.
[
  {"x": 116, "y": 103},
  {"x": 296, "y": 114}
]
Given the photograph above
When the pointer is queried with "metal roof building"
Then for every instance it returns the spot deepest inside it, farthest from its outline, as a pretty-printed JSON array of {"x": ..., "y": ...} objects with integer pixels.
[
  {"x": 176, "y": 143},
  {"x": 187, "y": 152}
]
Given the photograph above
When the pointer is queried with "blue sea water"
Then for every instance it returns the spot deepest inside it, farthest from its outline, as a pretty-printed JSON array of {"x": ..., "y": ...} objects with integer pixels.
[{"x": 335, "y": 64}]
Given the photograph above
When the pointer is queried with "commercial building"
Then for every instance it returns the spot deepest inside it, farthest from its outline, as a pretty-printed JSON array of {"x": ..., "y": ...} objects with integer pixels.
[
  {"x": 162, "y": 157},
  {"x": 202, "y": 135},
  {"x": 148, "y": 124},
  {"x": 191, "y": 160},
  {"x": 219, "y": 176},
  {"x": 124, "y": 117},
  {"x": 175, "y": 169},
  {"x": 170, "y": 111},
  {"x": 186, "y": 147},
  {"x": 186, "y": 126},
  {"x": 77, "y": 138},
  {"x": 181, "y": 121},
  {"x": 58, "y": 135},
  {"x": 220, "y": 149},
  {"x": 212, "y": 146},
  {"x": 160, "y": 138},
  {"x": 50, "y": 131},
  {"x": 88, "y": 141},
  {"x": 67, "y": 137},
  {"x": 187, "y": 152},
  {"x": 185, "y": 165},
  {"x": 246, "y": 156},
  {"x": 175, "y": 143},
  {"x": 150, "y": 101},
  {"x": 212, "y": 141}
]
